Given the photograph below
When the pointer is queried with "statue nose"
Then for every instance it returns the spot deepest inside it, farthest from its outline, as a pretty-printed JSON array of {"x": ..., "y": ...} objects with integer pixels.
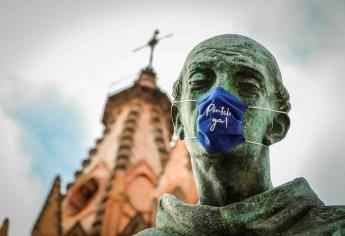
[{"x": 224, "y": 81}]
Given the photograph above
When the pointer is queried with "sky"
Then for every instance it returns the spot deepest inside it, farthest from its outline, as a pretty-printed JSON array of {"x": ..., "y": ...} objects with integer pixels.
[{"x": 59, "y": 60}]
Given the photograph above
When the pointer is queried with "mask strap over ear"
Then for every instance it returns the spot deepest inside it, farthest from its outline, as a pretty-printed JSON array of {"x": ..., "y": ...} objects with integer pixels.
[
  {"x": 260, "y": 144},
  {"x": 267, "y": 109},
  {"x": 256, "y": 143},
  {"x": 251, "y": 107},
  {"x": 189, "y": 100}
]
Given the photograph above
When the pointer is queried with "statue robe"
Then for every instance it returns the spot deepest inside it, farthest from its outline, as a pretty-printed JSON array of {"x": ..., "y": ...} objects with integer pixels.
[{"x": 290, "y": 209}]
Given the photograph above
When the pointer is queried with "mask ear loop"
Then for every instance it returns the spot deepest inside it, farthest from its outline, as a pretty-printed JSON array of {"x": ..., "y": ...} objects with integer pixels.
[
  {"x": 260, "y": 144},
  {"x": 264, "y": 109},
  {"x": 267, "y": 109},
  {"x": 188, "y": 100}
]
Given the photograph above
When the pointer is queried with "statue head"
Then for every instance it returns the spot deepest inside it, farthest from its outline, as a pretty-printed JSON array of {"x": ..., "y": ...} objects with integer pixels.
[{"x": 248, "y": 71}]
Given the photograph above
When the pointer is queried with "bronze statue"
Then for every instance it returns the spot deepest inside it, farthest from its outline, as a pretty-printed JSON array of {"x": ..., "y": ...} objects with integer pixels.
[{"x": 234, "y": 186}]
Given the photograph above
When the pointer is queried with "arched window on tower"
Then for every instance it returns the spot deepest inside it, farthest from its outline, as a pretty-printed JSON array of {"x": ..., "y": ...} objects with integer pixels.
[{"x": 81, "y": 196}]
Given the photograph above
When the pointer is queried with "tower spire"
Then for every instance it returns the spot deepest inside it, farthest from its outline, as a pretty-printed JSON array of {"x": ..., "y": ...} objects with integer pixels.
[
  {"x": 49, "y": 220},
  {"x": 152, "y": 44},
  {"x": 4, "y": 227}
]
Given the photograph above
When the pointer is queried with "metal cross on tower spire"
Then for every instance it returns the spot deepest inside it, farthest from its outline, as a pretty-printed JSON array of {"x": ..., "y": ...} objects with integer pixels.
[{"x": 152, "y": 44}]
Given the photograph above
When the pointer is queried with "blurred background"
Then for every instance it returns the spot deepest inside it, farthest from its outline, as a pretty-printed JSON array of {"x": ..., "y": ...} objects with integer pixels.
[{"x": 59, "y": 60}]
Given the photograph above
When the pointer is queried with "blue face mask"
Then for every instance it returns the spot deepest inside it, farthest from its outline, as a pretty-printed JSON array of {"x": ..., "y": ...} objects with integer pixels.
[{"x": 220, "y": 120}]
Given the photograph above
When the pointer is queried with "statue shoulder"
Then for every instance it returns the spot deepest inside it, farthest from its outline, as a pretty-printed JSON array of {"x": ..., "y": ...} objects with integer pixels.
[{"x": 322, "y": 220}]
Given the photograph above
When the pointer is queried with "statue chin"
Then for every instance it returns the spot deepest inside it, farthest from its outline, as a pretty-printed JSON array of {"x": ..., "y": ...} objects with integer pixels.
[{"x": 244, "y": 150}]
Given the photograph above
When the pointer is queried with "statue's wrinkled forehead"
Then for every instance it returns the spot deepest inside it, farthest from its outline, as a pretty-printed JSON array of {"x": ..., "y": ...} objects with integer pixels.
[{"x": 237, "y": 44}]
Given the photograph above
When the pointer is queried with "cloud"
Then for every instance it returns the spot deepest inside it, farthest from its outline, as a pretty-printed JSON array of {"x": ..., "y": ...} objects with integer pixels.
[
  {"x": 53, "y": 134},
  {"x": 42, "y": 135},
  {"x": 21, "y": 194}
]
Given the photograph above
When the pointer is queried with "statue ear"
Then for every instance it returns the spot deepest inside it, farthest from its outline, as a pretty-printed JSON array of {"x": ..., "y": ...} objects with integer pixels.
[
  {"x": 277, "y": 130},
  {"x": 176, "y": 119}
]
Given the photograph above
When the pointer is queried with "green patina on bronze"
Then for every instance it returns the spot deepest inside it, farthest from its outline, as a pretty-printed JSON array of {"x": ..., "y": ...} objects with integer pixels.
[
  {"x": 248, "y": 71},
  {"x": 235, "y": 189}
]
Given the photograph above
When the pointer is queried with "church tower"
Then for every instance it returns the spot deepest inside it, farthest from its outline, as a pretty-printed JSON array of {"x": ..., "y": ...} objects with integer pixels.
[{"x": 116, "y": 190}]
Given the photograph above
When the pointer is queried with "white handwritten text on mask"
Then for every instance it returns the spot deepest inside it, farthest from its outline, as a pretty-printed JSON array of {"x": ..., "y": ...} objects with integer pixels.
[{"x": 212, "y": 109}]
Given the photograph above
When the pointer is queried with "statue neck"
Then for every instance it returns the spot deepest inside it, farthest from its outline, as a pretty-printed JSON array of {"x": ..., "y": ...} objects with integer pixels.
[{"x": 227, "y": 179}]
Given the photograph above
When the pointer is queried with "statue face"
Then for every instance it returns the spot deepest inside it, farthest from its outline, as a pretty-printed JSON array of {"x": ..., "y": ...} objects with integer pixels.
[{"x": 246, "y": 73}]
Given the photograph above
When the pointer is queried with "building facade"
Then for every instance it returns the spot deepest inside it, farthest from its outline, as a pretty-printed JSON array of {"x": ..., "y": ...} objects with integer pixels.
[{"x": 116, "y": 190}]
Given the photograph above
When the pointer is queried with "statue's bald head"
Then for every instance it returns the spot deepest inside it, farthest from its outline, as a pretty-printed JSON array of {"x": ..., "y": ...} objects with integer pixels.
[
  {"x": 245, "y": 70},
  {"x": 232, "y": 44}
]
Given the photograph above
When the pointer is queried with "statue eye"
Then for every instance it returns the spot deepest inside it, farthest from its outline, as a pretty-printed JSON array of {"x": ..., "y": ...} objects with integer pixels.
[
  {"x": 200, "y": 78},
  {"x": 198, "y": 83},
  {"x": 248, "y": 86}
]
